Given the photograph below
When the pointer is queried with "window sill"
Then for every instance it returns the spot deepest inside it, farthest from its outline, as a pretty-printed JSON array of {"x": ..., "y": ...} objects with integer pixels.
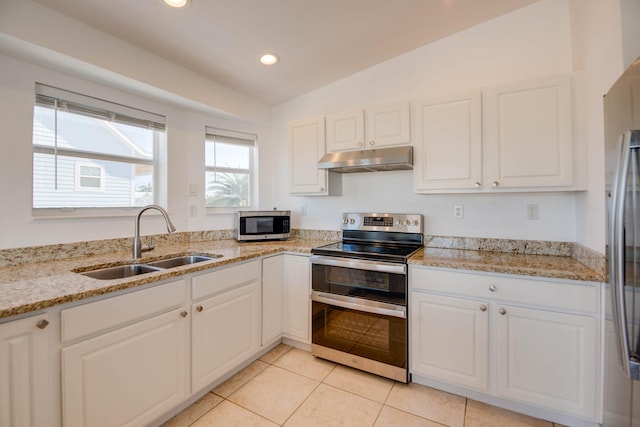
[{"x": 71, "y": 213}]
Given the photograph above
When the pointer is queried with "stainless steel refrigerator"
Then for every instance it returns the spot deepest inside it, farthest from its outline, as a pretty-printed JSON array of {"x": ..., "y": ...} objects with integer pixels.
[{"x": 622, "y": 298}]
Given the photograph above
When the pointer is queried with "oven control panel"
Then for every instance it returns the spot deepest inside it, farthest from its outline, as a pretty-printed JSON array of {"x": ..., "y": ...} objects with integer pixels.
[{"x": 399, "y": 223}]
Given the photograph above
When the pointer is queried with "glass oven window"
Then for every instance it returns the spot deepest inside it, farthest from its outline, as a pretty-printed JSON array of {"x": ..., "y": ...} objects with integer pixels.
[
  {"x": 372, "y": 336},
  {"x": 373, "y": 285}
]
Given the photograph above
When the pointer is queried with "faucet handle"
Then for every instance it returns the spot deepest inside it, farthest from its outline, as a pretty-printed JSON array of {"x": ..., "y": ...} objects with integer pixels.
[{"x": 148, "y": 247}]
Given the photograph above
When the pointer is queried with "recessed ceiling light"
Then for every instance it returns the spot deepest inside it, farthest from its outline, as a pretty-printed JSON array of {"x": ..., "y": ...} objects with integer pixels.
[
  {"x": 177, "y": 3},
  {"x": 269, "y": 59}
]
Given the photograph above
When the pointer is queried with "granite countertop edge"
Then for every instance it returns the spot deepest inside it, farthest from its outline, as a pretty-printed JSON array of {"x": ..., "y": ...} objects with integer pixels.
[{"x": 37, "y": 286}]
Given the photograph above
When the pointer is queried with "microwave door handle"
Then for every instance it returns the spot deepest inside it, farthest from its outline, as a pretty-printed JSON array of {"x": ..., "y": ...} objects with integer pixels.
[{"x": 617, "y": 257}]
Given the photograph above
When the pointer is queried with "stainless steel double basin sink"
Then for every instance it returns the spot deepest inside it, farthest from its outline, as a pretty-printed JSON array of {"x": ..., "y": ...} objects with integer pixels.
[{"x": 135, "y": 269}]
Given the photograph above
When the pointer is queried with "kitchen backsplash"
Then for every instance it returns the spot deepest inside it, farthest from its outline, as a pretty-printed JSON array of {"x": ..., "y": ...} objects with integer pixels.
[{"x": 582, "y": 254}]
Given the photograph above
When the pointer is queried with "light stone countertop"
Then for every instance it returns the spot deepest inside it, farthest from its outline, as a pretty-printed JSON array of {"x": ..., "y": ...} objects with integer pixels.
[
  {"x": 555, "y": 267},
  {"x": 35, "y": 286}
]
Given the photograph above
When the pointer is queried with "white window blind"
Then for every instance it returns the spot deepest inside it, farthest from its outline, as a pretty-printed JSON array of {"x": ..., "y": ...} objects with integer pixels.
[
  {"x": 122, "y": 141},
  {"x": 228, "y": 168}
]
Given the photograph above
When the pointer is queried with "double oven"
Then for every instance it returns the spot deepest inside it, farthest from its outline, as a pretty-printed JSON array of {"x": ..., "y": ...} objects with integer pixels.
[{"x": 359, "y": 293}]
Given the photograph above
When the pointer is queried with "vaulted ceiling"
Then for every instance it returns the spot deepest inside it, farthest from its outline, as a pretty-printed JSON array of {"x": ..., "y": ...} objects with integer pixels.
[{"x": 319, "y": 41}]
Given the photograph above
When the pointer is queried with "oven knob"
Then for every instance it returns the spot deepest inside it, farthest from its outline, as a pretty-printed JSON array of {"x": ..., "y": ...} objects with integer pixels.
[
  {"x": 352, "y": 221},
  {"x": 407, "y": 223},
  {"x": 345, "y": 221},
  {"x": 415, "y": 223}
]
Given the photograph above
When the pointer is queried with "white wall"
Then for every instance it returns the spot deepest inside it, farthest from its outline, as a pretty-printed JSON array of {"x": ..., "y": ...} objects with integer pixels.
[
  {"x": 185, "y": 140},
  {"x": 31, "y": 31},
  {"x": 532, "y": 42},
  {"x": 597, "y": 53}
]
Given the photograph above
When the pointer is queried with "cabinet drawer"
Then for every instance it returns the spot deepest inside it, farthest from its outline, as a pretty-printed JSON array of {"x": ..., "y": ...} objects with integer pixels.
[
  {"x": 538, "y": 292},
  {"x": 225, "y": 278},
  {"x": 96, "y": 316}
]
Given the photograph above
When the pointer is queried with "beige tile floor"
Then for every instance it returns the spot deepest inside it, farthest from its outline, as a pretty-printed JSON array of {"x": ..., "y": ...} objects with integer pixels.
[{"x": 289, "y": 387}]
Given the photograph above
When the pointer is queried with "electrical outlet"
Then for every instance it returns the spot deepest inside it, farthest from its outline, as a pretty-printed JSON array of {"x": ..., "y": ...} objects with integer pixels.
[
  {"x": 458, "y": 211},
  {"x": 532, "y": 212},
  {"x": 193, "y": 210}
]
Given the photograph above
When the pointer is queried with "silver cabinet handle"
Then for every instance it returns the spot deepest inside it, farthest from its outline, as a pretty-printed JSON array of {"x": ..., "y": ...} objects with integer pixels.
[
  {"x": 493, "y": 288},
  {"x": 360, "y": 144},
  {"x": 478, "y": 184},
  {"x": 199, "y": 308},
  {"x": 502, "y": 311},
  {"x": 372, "y": 142},
  {"x": 183, "y": 313},
  {"x": 483, "y": 307},
  {"x": 495, "y": 184},
  {"x": 42, "y": 324},
  {"x": 321, "y": 188}
]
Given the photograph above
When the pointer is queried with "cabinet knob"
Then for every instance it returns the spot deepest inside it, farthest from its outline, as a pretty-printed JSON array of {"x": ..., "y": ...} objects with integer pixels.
[
  {"x": 372, "y": 142},
  {"x": 493, "y": 288},
  {"x": 183, "y": 313},
  {"x": 495, "y": 184},
  {"x": 42, "y": 324},
  {"x": 478, "y": 184},
  {"x": 502, "y": 311},
  {"x": 199, "y": 308},
  {"x": 483, "y": 307},
  {"x": 321, "y": 188},
  {"x": 360, "y": 144}
]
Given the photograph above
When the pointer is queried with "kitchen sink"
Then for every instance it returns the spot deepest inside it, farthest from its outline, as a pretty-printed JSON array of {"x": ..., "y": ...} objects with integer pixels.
[
  {"x": 182, "y": 260},
  {"x": 130, "y": 270},
  {"x": 120, "y": 271}
]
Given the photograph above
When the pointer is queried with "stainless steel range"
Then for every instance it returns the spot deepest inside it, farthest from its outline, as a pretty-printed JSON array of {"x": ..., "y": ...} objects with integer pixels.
[{"x": 359, "y": 293}]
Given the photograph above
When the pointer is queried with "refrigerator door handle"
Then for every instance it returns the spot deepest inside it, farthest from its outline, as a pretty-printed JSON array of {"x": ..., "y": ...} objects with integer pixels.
[{"x": 617, "y": 254}]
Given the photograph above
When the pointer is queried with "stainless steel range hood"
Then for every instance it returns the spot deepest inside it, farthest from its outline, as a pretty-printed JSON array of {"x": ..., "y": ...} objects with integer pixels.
[{"x": 375, "y": 160}]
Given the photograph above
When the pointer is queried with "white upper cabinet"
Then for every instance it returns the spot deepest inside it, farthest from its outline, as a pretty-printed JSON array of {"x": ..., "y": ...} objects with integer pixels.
[
  {"x": 528, "y": 134},
  {"x": 513, "y": 137},
  {"x": 448, "y": 149},
  {"x": 306, "y": 147},
  {"x": 345, "y": 131},
  {"x": 385, "y": 125}
]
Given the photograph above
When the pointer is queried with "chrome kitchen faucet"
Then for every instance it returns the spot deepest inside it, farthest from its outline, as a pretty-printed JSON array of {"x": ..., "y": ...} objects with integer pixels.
[{"x": 137, "y": 243}]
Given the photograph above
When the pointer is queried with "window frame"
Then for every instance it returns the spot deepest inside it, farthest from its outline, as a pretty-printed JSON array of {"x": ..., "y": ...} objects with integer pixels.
[
  {"x": 48, "y": 97},
  {"x": 232, "y": 137}
]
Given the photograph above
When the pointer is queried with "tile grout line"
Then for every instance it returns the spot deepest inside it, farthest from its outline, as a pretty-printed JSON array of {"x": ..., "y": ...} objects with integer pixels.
[{"x": 306, "y": 398}]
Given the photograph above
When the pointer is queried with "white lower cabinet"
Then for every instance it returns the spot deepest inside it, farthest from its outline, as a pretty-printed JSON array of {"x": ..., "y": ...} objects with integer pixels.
[
  {"x": 128, "y": 377},
  {"x": 547, "y": 358},
  {"x": 225, "y": 332},
  {"x": 225, "y": 327},
  {"x": 450, "y": 339},
  {"x": 494, "y": 334},
  {"x": 272, "y": 297},
  {"x": 297, "y": 289},
  {"x": 24, "y": 373}
]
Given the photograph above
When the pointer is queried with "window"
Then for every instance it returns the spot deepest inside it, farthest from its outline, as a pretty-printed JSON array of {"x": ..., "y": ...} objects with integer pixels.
[
  {"x": 90, "y": 153},
  {"x": 228, "y": 168},
  {"x": 89, "y": 177}
]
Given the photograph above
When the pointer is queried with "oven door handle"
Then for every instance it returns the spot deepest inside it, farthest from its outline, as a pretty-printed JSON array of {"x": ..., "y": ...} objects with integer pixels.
[
  {"x": 360, "y": 264},
  {"x": 374, "y": 307}
]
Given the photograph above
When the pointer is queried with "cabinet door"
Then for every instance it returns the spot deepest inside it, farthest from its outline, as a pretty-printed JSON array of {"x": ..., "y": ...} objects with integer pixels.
[
  {"x": 450, "y": 339},
  {"x": 529, "y": 134},
  {"x": 547, "y": 359},
  {"x": 388, "y": 125},
  {"x": 306, "y": 147},
  {"x": 272, "y": 298},
  {"x": 345, "y": 131},
  {"x": 225, "y": 332},
  {"x": 24, "y": 373},
  {"x": 297, "y": 288},
  {"x": 128, "y": 377},
  {"x": 448, "y": 143}
]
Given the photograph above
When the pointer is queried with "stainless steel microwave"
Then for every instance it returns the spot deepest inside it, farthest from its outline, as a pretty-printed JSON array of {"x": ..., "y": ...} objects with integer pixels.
[{"x": 263, "y": 225}]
